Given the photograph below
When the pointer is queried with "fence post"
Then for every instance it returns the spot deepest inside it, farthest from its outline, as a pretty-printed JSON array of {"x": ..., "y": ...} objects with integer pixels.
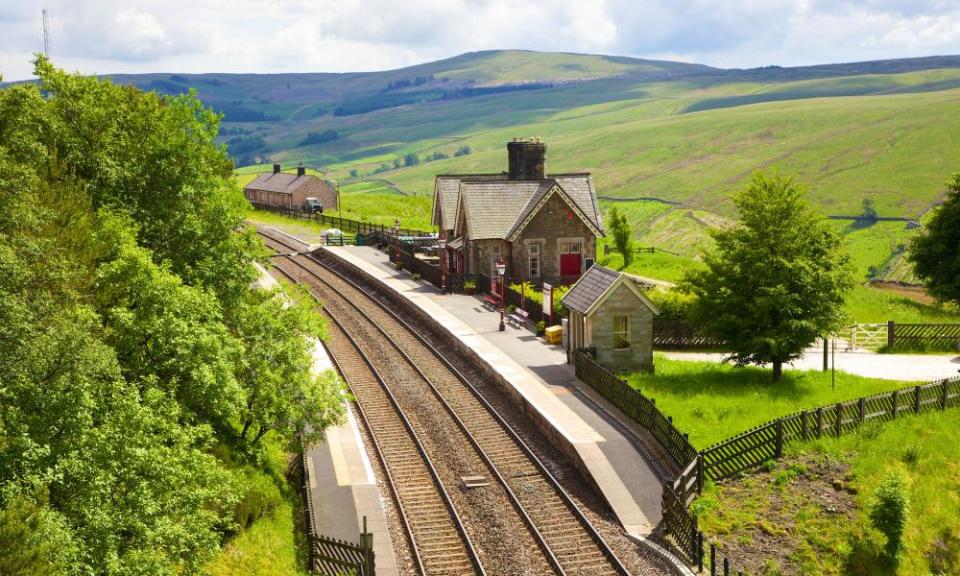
[
  {"x": 779, "y": 449},
  {"x": 699, "y": 551},
  {"x": 819, "y": 422},
  {"x": 916, "y": 400},
  {"x": 943, "y": 394},
  {"x": 804, "y": 427},
  {"x": 713, "y": 559},
  {"x": 839, "y": 424},
  {"x": 726, "y": 566},
  {"x": 894, "y": 397},
  {"x": 699, "y": 473},
  {"x": 891, "y": 330},
  {"x": 863, "y": 410}
]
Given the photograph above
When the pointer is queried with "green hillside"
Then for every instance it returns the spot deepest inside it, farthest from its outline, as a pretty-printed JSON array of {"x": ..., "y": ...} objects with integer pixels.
[{"x": 684, "y": 133}]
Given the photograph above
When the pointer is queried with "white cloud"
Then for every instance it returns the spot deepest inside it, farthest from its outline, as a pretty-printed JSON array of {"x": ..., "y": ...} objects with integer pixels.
[{"x": 106, "y": 36}]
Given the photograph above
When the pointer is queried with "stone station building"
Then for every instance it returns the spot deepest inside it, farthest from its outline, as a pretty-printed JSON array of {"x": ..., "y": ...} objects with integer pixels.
[
  {"x": 610, "y": 314},
  {"x": 544, "y": 226}
]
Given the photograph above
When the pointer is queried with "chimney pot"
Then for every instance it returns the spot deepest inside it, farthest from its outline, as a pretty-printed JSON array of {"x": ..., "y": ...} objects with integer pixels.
[{"x": 276, "y": 168}]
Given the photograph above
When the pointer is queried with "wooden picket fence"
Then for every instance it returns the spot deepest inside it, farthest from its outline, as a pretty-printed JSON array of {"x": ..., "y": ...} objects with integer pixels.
[
  {"x": 635, "y": 405},
  {"x": 335, "y": 557},
  {"x": 923, "y": 333},
  {"x": 678, "y": 334}
]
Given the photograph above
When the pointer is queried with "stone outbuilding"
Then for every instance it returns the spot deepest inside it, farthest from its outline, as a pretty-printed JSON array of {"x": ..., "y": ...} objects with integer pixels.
[
  {"x": 610, "y": 315},
  {"x": 544, "y": 226},
  {"x": 283, "y": 190}
]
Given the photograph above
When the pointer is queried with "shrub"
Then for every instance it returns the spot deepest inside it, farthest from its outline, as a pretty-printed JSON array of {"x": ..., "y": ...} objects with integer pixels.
[
  {"x": 673, "y": 304},
  {"x": 889, "y": 512},
  {"x": 541, "y": 327},
  {"x": 470, "y": 285},
  {"x": 260, "y": 497},
  {"x": 415, "y": 276}
]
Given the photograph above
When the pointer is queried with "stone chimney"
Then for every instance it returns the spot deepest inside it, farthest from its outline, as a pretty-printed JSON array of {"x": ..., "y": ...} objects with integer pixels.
[
  {"x": 276, "y": 168},
  {"x": 301, "y": 171},
  {"x": 527, "y": 158}
]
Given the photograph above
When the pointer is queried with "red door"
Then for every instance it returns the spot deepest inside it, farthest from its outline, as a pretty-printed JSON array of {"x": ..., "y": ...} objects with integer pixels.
[{"x": 569, "y": 265}]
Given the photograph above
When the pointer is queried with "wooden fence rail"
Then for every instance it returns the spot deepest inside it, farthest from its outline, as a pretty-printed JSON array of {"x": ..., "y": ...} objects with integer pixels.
[
  {"x": 357, "y": 226},
  {"x": 636, "y": 406},
  {"x": 675, "y": 334}
]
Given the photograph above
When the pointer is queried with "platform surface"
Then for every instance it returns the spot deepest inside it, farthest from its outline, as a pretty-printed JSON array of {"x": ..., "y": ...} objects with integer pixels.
[
  {"x": 340, "y": 480},
  {"x": 622, "y": 459}
]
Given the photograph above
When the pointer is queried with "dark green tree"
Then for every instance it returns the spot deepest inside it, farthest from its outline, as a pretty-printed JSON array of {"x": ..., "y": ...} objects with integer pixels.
[
  {"x": 869, "y": 214},
  {"x": 776, "y": 281},
  {"x": 622, "y": 235},
  {"x": 935, "y": 252}
]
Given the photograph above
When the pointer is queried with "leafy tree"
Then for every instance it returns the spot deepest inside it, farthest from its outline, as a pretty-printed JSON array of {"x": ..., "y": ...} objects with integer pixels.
[
  {"x": 34, "y": 540},
  {"x": 354, "y": 173},
  {"x": 396, "y": 163},
  {"x": 776, "y": 281},
  {"x": 282, "y": 395},
  {"x": 935, "y": 252},
  {"x": 411, "y": 159},
  {"x": 622, "y": 237},
  {"x": 462, "y": 151}
]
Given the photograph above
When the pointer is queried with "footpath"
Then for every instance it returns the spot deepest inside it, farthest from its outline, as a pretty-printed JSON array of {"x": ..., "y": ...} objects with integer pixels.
[
  {"x": 341, "y": 484},
  {"x": 622, "y": 459}
]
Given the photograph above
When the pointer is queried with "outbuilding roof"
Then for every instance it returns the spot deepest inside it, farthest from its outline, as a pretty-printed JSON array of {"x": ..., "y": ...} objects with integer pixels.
[
  {"x": 279, "y": 182},
  {"x": 594, "y": 286}
]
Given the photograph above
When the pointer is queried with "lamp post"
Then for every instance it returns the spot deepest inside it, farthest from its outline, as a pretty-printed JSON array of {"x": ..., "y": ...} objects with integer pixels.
[
  {"x": 442, "y": 244},
  {"x": 396, "y": 238},
  {"x": 501, "y": 268}
]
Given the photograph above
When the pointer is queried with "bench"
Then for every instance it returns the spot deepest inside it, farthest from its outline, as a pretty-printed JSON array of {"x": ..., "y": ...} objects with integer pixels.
[
  {"x": 491, "y": 301},
  {"x": 519, "y": 317}
]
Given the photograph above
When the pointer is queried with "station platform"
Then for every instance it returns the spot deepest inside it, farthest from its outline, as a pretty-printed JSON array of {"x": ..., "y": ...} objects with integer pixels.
[
  {"x": 341, "y": 484},
  {"x": 622, "y": 459}
]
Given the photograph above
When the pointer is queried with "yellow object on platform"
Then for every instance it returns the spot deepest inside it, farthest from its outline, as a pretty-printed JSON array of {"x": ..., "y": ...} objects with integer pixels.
[{"x": 554, "y": 334}]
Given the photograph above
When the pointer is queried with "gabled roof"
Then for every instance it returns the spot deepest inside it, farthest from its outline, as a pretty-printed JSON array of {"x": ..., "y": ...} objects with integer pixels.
[
  {"x": 491, "y": 208},
  {"x": 280, "y": 182},
  {"x": 448, "y": 190},
  {"x": 595, "y": 286},
  {"x": 539, "y": 200}
]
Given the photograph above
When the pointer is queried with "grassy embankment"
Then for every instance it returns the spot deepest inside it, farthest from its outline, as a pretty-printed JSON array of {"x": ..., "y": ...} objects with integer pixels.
[
  {"x": 712, "y": 402},
  {"x": 273, "y": 544},
  {"x": 746, "y": 513}
]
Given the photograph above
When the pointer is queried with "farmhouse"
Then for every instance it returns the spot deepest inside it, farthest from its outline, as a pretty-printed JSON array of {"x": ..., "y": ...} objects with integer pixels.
[
  {"x": 610, "y": 314},
  {"x": 544, "y": 226},
  {"x": 284, "y": 190}
]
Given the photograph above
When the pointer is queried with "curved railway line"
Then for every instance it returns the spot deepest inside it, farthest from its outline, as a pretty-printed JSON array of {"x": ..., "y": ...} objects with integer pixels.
[{"x": 431, "y": 428}]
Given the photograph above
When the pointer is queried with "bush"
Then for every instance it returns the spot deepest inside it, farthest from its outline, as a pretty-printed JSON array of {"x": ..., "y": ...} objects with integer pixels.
[
  {"x": 890, "y": 509},
  {"x": 260, "y": 497},
  {"x": 462, "y": 151},
  {"x": 470, "y": 285},
  {"x": 673, "y": 304},
  {"x": 415, "y": 276},
  {"x": 541, "y": 327}
]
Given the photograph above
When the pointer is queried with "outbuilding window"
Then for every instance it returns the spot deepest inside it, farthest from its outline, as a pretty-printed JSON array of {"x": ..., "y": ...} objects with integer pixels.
[{"x": 621, "y": 332}]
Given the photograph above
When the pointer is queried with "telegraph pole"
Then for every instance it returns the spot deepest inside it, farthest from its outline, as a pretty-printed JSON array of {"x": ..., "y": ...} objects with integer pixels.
[{"x": 46, "y": 35}]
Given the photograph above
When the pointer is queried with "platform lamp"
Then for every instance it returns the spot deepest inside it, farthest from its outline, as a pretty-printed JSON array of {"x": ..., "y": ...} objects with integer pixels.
[
  {"x": 501, "y": 269},
  {"x": 396, "y": 237},
  {"x": 442, "y": 244}
]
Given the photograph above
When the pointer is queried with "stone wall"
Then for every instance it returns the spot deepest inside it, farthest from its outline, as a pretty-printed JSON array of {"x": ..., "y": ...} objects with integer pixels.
[
  {"x": 639, "y": 356},
  {"x": 548, "y": 228}
]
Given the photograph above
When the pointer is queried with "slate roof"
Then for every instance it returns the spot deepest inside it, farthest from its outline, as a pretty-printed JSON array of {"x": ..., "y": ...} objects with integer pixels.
[
  {"x": 281, "y": 182},
  {"x": 590, "y": 288},
  {"x": 495, "y": 205}
]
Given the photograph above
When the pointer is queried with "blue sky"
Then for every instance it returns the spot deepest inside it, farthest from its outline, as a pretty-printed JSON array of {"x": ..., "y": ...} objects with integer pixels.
[{"x": 112, "y": 36}]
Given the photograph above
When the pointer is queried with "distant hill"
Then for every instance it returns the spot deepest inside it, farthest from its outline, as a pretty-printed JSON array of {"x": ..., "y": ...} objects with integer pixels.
[{"x": 686, "y": 133}]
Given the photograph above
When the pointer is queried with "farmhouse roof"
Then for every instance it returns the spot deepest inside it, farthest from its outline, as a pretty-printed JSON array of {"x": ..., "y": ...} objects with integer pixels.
[
  {"x": 595, "y": 286},
  {"x": 279, "y": 182}
]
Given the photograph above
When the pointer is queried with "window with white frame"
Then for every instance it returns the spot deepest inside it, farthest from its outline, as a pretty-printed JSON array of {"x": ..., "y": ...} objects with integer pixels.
[
  {"x": 533, "y": 260},
  {"x": 621, "y": 332}
]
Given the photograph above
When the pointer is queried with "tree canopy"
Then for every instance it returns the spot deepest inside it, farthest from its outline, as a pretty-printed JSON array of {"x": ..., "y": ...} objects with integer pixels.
[
  {"x": 622, "y": 236},
  {"x": 774, "y": 282},
  {"x": 935, "y": 252},
  {"x": 133, "y": 349}
]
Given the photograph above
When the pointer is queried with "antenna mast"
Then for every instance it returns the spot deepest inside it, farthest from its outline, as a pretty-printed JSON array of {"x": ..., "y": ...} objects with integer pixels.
[{"x": 46, "y": 35}]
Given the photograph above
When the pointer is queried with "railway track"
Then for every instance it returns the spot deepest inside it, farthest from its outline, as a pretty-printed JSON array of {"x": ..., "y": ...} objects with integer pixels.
[{"x": 567, "y": 540}]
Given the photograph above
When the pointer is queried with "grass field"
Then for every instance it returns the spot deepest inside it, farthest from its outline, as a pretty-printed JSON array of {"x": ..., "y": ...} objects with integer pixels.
[
  {"x": 924, "y": 448},
  {"x": 712, "y": 401}
]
